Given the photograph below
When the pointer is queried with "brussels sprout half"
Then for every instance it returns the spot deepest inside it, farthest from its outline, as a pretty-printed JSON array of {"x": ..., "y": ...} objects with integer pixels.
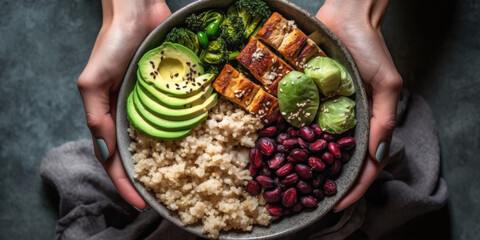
[
  {"x": 298, "y": 99},
  {"x": 347, "y": 88},
  {"x": 337, "y": 115},
  {"x": 325, "y": 73}
]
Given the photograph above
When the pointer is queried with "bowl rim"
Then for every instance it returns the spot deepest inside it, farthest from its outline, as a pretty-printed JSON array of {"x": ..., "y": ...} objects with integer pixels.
[{"x": 123, "y": 136}]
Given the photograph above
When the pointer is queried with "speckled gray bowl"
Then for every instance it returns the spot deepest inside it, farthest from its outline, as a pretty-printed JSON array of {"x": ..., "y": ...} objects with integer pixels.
[{"x": 332, "y": 47}]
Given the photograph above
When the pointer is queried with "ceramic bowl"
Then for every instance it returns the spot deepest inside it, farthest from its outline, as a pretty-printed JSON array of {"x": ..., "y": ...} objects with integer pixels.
[{"x": 332, "y": 47}]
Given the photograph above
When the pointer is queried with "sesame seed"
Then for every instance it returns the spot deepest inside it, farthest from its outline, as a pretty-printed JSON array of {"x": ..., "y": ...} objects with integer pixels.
[
  {"x": 203, "y": 96},
  {"x": 284, "y": 113},
  {"x": 161, "y": 58},
  {"x": 281, "y": 90},
  {"x": 176, "y": 74},
  {"x": 188, "y": 63},
  {"x": 284, "y": 83},
  {"x": 168, "y": 86},
  {"x": 162, "y": 52},
  {"x": 293, "y": 83},
  {"x": 184, "y": 86},
  {"x": 194, "y": 65},
  {"x": 299, "y": 76},
  {"x": 335, "y": 100},
  {"x": 176, "y": 84},
  {"x": 178, "y": 88}
]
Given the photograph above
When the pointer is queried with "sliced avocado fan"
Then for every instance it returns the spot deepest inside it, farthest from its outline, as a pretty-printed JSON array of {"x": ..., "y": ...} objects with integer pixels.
[
  {"x": 138, "y": 122},
  {"x": 165, "y": 124},
  {"x": 175, "y": 114},
  {"x": 171, "y": 68},
  {"x": 173, "y": 101}
]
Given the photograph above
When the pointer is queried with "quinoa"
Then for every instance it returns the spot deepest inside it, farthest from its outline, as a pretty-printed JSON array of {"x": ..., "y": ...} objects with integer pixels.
[{"x": 203, "y": 176}]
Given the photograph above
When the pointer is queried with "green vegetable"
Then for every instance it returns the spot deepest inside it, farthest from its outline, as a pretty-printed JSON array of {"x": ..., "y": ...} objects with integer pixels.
[
  {"x": 347, "y": 88},
  {"x": 199, "y": 22},
  {"x": 184, "y": 37},
  {"x": 215, "y": 53},
  {"x": 202, "y": 39},
  {"x": 214, "y": 69},
  {"x": 253, "y": 13},
  {"x": 232, "y": 31},
  {"x": 325, "y": 73},
  {"x": 212, "y": 30},
  {"x": 298, "y": 99},
  {"x": 337, "y": 115}
]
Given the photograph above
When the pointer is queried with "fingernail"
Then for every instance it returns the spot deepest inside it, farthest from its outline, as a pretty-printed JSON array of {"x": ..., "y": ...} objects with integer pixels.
[
  {"x": 138, "y": 209},
  {"x": 103, "y": 149},
  {"x": 339, "y": 210},
  {"x": 380, "y": 152}
]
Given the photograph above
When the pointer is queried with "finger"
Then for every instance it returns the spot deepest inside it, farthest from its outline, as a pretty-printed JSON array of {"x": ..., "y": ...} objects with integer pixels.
[
  {"x": 96, "y": 99},
  {"x": 368, "y": 173},
  {"x": 382, "y": 123},
  {"x": 122, "y": 183},
  {"x": 377, "y": 13}
]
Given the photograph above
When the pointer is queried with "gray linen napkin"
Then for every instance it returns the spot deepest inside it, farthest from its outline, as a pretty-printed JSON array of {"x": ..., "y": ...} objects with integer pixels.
[{"x": 90, "y": 207}]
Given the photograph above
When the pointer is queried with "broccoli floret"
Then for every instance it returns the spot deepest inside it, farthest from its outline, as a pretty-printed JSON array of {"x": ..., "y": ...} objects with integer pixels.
[
  {"x": 198, "y": 22},
  {"x": 253, "y": 13},
  {"x": 215, "y": 53},
  {"x": 184, "y": 37},
  {"x": 214, "y": 69},
  {"x": 232, "y": 31}
]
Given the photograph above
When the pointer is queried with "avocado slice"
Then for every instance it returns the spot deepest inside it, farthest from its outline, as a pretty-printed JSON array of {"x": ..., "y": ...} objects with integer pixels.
[
  {"x": 165, "y": 124},
  {"x": 138, "y": 122},
  {"x": 175, "y": 102},
  {"x": 171, "y": 64},
  {"x": 172, "y": 113}
]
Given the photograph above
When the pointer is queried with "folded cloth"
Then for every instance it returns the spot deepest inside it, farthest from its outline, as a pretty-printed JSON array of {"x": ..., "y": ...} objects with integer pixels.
[{"x": 410, "y": 185}]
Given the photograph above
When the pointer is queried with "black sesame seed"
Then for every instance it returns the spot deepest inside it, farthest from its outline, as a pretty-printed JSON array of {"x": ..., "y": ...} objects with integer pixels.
[
  {"x": 178, "y": 88},
  {"x": 176, "y": 74},
  {"x": 204, "y": 80},
  {"x": 203, "y": 96},
  {"x": 168, "y": 86},
  {"x": 176, "y": 84},
  {"x": 162, "y": 52},
  {"x": 161, "y": 58},
  {"x": 190, "y": 90},
  {"x": 188, "y": 63},
  {"x": 194, "y": 65},
  {"x": 185, "y": 86}
]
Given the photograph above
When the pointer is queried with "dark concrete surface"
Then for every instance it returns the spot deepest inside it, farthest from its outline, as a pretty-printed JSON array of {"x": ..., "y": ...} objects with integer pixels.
[{"x": 45, "y": 44}]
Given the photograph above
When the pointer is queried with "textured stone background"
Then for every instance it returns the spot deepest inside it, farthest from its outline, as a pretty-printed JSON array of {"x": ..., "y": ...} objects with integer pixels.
[{"x": 45, "y": 44}]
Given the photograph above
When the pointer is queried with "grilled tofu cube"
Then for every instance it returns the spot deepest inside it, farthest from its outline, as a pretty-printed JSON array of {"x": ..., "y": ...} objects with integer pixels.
[
  {"x": 235, "y": 86},
  {"x": 267, "y": 67},
  {"x": 292, "y": 45},
  {"x": 309, "y": 51},
  {"x": 274, "y": 30},
  {"x": 290, "y": 41},
  {"x": 263, "y": 104}
]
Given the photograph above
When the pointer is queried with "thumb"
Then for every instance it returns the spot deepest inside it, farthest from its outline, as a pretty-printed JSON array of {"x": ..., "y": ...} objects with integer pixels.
[
  {"x": 98, "y": 110},
  {"x": 382, "y": 123}
]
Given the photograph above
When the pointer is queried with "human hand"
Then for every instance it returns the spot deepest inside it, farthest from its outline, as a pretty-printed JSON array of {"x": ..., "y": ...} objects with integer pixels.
[
  {"x": 125, "y": 24},
  {"x": 358, "y": 25}
]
